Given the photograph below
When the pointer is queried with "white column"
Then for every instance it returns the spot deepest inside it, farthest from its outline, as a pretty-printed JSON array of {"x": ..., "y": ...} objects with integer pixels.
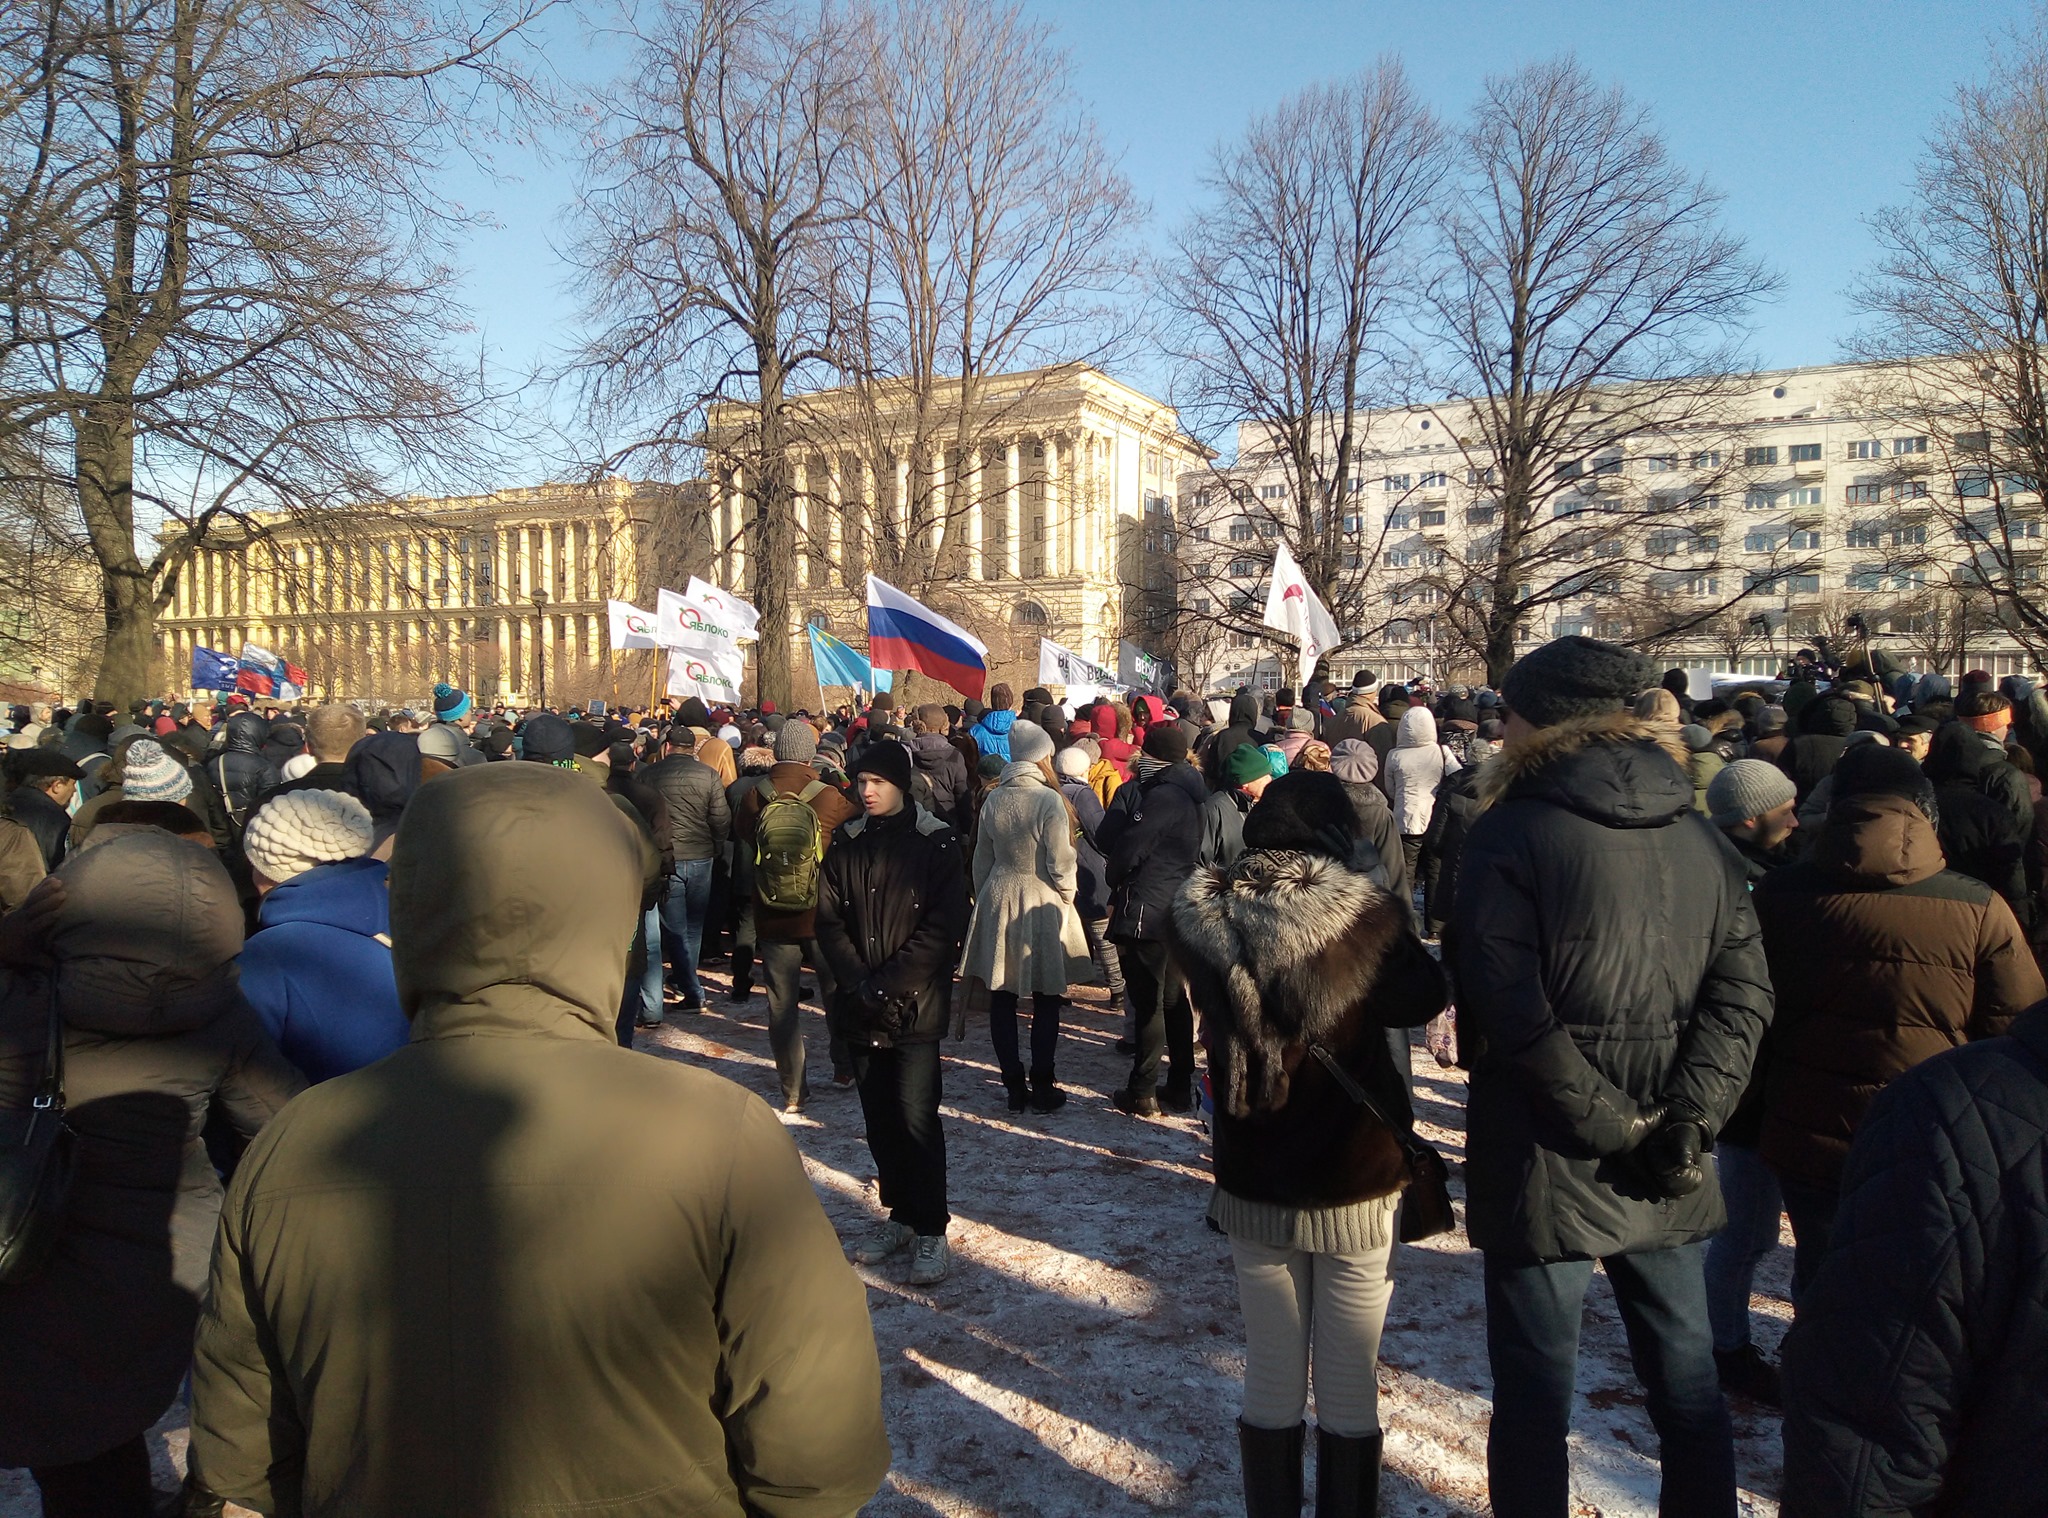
[
  {"x": 801, "y": 480},
  {"x": 505, "y": 652},
  {"x": 1013, "y": 493},
  {"x": 547, "y": 562},
  {"x": 1052, "y": 505},
  {"x": 737, "y": 562},
  {"x": 835, "y": 516},
  {"x": 940, "y": 510},
  {"x": 977, "y": 564}
]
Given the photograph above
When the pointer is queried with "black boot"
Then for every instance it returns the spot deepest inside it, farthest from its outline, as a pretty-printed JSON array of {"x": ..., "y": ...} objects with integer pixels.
[
  {"x": 1347, "y": 1475},
  {"x": 1020, "y": 1094},
  {"x": 1046, "y": 1095},
  {"x": 1272, "y": 1469},
  {"x": 1178, "y": 1094}
]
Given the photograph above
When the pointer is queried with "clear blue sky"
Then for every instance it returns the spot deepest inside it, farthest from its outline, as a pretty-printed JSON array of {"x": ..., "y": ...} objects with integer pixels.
[{"x": 1808, "y": 114}]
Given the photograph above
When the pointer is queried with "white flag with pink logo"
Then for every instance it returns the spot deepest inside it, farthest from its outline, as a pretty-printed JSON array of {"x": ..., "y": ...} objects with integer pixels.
[{"x": 1293, "y": 608}]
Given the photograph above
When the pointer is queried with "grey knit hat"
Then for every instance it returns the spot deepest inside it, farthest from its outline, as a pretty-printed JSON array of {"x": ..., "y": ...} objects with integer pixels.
[
  {"x": 292, "y": 833},
  {"x": 1029, "y": 743},
  {"x": 1745, "y": 789},
  {"x": 797, "y": 743},
  {"x": 1575, "y": 677},
  {"x": 150, "y": 774}
]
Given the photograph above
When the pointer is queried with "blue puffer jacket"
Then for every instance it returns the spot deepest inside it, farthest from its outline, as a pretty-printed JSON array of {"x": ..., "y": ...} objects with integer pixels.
[
  {"x": 1913, "y": 1376},
  {"x": 319, "y": 970},
  {"x": 991, "y": 733}
]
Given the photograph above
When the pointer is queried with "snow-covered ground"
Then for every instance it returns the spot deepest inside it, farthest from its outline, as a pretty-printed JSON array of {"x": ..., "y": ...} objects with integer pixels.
[{"x": 1084, "y": 1356}]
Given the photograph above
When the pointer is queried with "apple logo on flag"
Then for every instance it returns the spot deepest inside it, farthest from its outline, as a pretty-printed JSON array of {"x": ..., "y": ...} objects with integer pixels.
[{"x": 1292, "y": 592}]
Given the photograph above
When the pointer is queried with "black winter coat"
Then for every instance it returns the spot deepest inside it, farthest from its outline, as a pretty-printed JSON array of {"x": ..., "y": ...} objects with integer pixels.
[
  {"x": 946, "y": 773},
  {"x": 1091, "y": 897},
  {"x": 1457, "y": 808},
  {"x": 699, "y": 821},
  {"x": 892, "y": 911},
  {"x": 245, "y": 778},
  {"x": 1150, "y": 837},
  {"x": 1605, "y": 957},
  {"x": 1825, "y": 724},
  {"x": 1913, "y": 1373},
  {"x": 48, "y": 823}
]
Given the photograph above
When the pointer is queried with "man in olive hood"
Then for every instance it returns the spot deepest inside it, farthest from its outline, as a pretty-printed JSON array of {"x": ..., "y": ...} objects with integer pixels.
[{"x": 513, "y": 1267}]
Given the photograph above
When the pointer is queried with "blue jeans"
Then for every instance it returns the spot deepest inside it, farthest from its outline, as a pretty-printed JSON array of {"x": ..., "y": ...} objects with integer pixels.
[
  {"x": 1532, "y": 1340},
  {"x": 682, "y": 925},
  {"x": 650, "y": 979},
  {"x": 1733, "y": 1254}
]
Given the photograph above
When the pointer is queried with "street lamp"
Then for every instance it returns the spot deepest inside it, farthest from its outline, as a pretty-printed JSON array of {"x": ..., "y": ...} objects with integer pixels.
[{"x": 540, "y": 644}]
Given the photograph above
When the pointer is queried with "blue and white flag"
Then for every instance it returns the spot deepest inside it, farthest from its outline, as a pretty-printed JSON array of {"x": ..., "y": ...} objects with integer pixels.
[
  {"x": 213, "y": 670},
  {"x": 837, "y": 664}
]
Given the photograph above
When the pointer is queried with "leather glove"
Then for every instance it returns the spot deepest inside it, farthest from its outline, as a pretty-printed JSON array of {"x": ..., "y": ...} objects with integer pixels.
[
  {"x": 870, "y": 999},
  {"x": 1671, "y": 1155},
  {"x": 1633, "y": 1131}
]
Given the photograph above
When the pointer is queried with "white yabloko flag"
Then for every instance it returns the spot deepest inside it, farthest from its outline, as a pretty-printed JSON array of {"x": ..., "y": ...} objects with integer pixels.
[
  {"x": 724, "y": 606},
  {"x": 1291, "y": 607},
  {"x": 685, "y": 621},
  {"x": 631, "y": 627},
  {"x": 713, "y": 676}
]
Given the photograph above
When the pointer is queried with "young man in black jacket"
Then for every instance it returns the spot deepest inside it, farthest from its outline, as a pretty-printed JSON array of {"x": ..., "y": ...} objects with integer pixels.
[
  {"x": 892, "y": 910},
  {"x": 1611, "y": 991},
  {"x": 1151, "y": 837}
]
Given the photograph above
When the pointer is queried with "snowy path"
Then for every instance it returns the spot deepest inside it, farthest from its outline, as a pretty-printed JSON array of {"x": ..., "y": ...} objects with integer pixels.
[{"x": 1084, "y": 1356}]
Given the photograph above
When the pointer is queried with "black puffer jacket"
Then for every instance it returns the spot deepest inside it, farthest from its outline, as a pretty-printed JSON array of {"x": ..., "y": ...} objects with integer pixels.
[
  {"x": 1913, "y": 1381},
  {"x": 699, "y": 820},
  {"x": 1149, "y": 837},
  {"x": 1962, "y": 755},
  {"x": 892, "y": 910},
  {"x": 1605, "y": 956},
  {"x": 1825, "y": 724},
  {"x": 241, "y": 772},
  {"x": 946, "y": 773},
  {"x": 1244, "y": 728}
]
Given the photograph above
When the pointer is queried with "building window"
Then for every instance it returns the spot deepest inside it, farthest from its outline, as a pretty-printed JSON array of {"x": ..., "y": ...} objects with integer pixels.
[
  {"x": 1400, "y": 521},
  {"x": 1244, "y": 566},
  {"x": 1758, "y": 542},
  {"x": 1902, "y": 446},
  {"x": 1479, "y": 476},
  {"x": 1272, "y": 492},
  {"x": 1567, "y": 506},
  {"x": 1028, "y": 614},
  {"x": 1397, "y": 482},
  {"x": 1710, "y": 459},
  {"x": 1702, "y": 585},
  {"x": 1242, "y": 532},
  {"x": 1661, "y": 463},
  {"x": 1864, "y": 579},
  {"x": 1803, "y": 539},
  {"x": 1431, "y": 518},
  {"x": 1398, "y": 558},
  {"x": 1912, "y": 536},
  {"x": 1479, "y": 516},
  {"x": 1759, "y": 500},
  {"x": 1804, "y": 453},
  {"x": 1607, "y": 463},
  {"x": 1863, "y": 495},
  {"x": 1804, "y": 495},
  {"x": 1870, "y": 448},
  {"x": 1756, "y": 456},
  {"x": 1864, "y": 537},
  {"x": 1910, "y": 579},
  {"x": 1664, "y": 544},
  {"x": 1974, "y": 486},
  {"x": 1436, "y": 479},
  {"x": 1570, "y": 470},
  {"x": 1202, "y": 606}
]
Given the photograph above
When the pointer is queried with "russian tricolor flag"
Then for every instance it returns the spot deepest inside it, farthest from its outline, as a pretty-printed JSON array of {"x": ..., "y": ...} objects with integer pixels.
[{"x": 903, "y": 634}]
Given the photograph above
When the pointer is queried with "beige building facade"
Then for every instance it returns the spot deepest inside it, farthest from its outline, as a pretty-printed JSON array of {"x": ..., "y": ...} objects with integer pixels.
[{"x": 502, "y": 594}]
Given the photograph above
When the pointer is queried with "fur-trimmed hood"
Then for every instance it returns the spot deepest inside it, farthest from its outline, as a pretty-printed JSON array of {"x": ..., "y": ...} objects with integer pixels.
[
  {"x": 1278, "y": 950},
  {"x": 1618, "y": 769}
]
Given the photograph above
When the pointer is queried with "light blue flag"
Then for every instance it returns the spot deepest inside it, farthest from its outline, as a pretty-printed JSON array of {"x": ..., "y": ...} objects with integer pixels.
[{"x": 837, "y": 664}]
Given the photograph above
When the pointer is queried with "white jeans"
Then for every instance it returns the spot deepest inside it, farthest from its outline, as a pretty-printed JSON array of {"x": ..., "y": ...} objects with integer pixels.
[{"x": 1290, "y": 1298}]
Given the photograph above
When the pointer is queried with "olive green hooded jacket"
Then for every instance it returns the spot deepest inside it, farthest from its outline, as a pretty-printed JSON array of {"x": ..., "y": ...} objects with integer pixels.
[{"x": 513, "y": 1268}]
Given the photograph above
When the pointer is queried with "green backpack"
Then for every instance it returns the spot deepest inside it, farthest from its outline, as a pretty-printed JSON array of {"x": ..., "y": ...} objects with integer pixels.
[{"x": 789, "y": 845}]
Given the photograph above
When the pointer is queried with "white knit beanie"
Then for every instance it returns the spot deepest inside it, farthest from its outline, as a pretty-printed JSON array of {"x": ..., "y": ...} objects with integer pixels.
[
  {"x": 300, "y": 829},
  {"x": 150, "y": 774}
]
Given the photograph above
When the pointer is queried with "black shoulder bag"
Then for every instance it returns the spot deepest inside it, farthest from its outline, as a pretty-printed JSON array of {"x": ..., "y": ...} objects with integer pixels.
[
  {"x": 37, "y": 1154},
  {"x": 1426, "y": 1203}
]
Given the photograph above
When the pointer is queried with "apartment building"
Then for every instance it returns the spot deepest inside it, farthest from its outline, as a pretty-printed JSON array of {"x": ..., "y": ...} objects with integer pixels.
[{"x": 1802, "y": 502}]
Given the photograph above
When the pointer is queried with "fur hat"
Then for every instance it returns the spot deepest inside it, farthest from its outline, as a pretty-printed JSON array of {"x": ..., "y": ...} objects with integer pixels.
[
  {"x": 1029, "y": 743},
  {"x": 797, "y": 743},
  {"x": 292, "y": 833},
  {"x": 887, "y": 758},
  {"x": 1575, "y": 677},
  {"x": 150, "y": 774},
  {"x": 1307, "y": 810},
  {"x": 1745, "y": 789}
]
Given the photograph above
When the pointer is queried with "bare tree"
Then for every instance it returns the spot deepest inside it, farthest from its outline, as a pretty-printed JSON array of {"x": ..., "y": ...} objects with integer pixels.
[
  {"x": 994, "y": 238},
  {"x": 1281, "y": 296},
  {"x": 1587, "y": 304},
  {"x": 229, "y": 284},
  {"x": 1958, "y": 301},
  {"x": 709, "y": 212}
]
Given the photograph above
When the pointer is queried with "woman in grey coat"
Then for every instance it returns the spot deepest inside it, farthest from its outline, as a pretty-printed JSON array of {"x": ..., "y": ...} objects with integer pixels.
[{"x": 1025, "y": 937}]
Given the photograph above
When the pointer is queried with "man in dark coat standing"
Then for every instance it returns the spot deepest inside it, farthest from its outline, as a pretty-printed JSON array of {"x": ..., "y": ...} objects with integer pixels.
[
  {"x": 1611, "y": 993},
  {"x": 892, "y": 910}
]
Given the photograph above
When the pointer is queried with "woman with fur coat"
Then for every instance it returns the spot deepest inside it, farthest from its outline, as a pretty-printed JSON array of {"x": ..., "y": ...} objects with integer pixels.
[{"x": 1294, "y": 954}]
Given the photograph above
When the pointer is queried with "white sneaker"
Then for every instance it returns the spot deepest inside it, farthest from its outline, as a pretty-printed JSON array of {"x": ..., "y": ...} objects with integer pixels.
[
  {"x": 882, "y": 1241},
  {"x": 934, "y": 1257}
]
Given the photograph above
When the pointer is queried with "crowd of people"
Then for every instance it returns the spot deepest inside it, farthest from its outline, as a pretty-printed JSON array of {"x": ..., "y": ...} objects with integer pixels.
[{"x": 346, "y": 1005}]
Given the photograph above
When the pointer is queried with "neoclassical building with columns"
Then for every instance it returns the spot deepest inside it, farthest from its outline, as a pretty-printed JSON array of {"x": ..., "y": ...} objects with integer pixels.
[
  {"x": 503, "y": 594},
  {"x": 1046, "y": 511}
]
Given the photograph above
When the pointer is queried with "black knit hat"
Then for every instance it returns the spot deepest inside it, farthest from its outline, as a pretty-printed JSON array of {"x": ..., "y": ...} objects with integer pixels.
[
  {"x": 589, "y": 739},
  {"x": 887, "y": 758},
  {"x": 547, "y": 739},
  {"x": 1304, "y": 809},
  {"x": 1878, "y": 769},
  {"x": 1166, "y": 742},
  {"x": 1575, "y": 677}
]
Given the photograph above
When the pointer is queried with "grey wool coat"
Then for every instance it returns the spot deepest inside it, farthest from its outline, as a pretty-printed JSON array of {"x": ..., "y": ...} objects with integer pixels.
[{"x": 1025, "y": 935}]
